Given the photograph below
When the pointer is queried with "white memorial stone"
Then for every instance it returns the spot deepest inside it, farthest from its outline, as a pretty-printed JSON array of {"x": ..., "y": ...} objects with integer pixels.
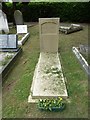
[
  {"x": 3, "y": 22},
  {"x": 21, "y": 28}
]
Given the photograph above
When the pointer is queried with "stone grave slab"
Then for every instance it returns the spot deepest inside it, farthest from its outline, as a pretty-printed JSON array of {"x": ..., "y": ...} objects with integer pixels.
[
  {"x": 7, "y": 60},
  {"x": 8, "y": 42},
  {"x": 48, "y": 80},
  {"x": 70, "y": 29}
]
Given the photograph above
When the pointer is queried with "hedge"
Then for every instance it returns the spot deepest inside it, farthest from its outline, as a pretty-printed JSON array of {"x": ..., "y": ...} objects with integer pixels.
[{"x": 66, "y": 11}]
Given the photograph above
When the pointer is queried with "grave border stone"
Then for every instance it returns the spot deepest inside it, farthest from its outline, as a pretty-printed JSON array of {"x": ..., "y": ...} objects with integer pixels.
[
  {"x": 7, "y": 68},
  {"x": 81, "y": 60},
  {"x": 72, "y": 28}
]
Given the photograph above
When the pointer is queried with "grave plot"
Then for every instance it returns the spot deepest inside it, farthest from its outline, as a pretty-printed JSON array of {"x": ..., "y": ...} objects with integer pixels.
[
  {"x": 70, "y": 29},
  {"x": 82, "y": 53},
  {"x": 22, "y": 32},
  {"x": 48, "y": 79},
  {"x": 8, "y": 52}
]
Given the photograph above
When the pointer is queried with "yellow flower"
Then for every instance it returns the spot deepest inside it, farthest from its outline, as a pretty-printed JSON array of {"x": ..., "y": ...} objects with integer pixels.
[{"x": 60, "y": 98}]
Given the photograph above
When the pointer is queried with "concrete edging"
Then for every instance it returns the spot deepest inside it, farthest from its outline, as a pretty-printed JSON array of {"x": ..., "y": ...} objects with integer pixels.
[
  {"x": 9, "y": 65},
  {"x": 23, "y": 40},
  {"x": 81, "y": 60}
]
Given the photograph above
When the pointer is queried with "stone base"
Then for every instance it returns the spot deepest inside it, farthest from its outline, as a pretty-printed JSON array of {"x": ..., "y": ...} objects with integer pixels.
[
  {"x": 48, "y": 80},
  {"x": 31, "y": 100}
]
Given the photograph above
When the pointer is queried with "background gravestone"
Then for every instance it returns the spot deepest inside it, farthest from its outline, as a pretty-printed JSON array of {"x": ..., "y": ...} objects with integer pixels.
[
  {"x": 3, "y": 23},
  {"x": 49, "y": 34},
  {"x": 18, "y": 18}
]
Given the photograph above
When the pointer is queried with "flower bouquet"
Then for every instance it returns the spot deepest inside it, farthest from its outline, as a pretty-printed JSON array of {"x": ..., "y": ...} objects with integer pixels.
[{"x": 56, "y": 104}]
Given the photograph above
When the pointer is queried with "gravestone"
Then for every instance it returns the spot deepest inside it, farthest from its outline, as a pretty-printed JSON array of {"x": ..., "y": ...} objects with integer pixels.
[
  {"x": 3, "y": 23},
  {"x": 49, "y": 34},
  {"x": 18, "y": 18},
  {"x": 48, "y": 79},
  {"x": 8, "y": 42}
]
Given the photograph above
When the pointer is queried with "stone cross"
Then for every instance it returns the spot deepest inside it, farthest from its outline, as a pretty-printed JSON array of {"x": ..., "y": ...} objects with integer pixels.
[
  {"x": 3, "y": 23},
  {"x": 18, "y": 17},
  {"x": 49, "y": 34}
]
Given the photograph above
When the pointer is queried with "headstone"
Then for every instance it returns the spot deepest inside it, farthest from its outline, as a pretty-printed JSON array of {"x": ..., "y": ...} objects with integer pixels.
[
  {"x": 21, "y": 28},
  {"x": 18, "y": 18},
  {"x": 8, "y": 42},
  {"x": 49, "y": 34},
  {"x": 3, "y": 23}
]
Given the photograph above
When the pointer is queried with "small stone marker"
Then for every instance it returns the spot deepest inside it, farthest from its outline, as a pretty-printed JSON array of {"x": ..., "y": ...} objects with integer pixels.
[
  {"x": 49, "y": 34},
  {"x": 3, "y": 23},
  {"x": 18, "y": 18},
  {"x": 21, "y": 29},
  {"x": 8, "y": 42}
]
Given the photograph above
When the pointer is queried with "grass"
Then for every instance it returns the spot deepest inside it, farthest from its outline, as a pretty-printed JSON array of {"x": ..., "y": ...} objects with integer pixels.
[{"x": 16, "y": 87}]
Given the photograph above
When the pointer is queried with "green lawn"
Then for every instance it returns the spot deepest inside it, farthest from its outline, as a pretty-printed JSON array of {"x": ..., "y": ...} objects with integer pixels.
[{"x": 16, "y": 87}]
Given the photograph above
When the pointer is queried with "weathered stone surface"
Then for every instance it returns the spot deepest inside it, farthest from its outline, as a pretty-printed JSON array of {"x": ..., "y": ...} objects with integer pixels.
[
  {"x": 3, "y": 23},
  {"x": 18, "y": 17},
  {"x": 48, "y": 80},
  {"x": 49, "y": 34},
  {"x": 8, "y": 41},
  {"x": 82, "y": 60}
]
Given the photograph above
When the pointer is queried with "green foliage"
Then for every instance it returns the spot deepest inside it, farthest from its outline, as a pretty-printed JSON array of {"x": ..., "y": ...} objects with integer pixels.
[
  {"x": 53, "y": 104},
  {"x": 67, "y": 11},
  {"x": 9, "y": 4}
]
